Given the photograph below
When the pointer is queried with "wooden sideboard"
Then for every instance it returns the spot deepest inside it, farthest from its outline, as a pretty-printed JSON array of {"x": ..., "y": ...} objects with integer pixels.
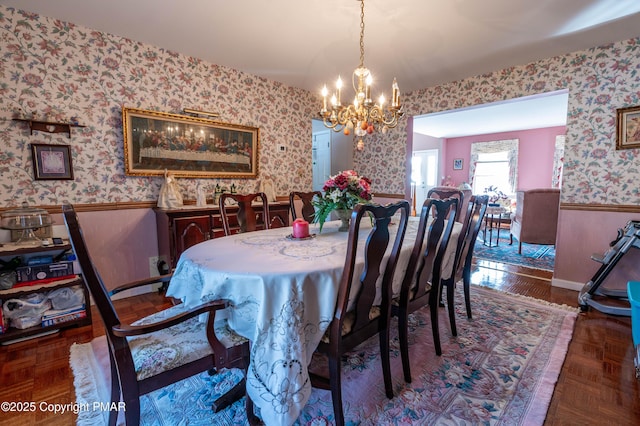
[{"x": 179, "y": 229}]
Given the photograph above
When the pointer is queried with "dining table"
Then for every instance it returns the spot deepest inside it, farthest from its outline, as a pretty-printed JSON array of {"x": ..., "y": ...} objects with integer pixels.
[{"x": 282, "y": 294}]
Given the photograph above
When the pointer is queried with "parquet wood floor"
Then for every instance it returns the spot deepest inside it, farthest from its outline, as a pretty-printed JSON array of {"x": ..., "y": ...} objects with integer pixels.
[{"x": 597, "y": 385}]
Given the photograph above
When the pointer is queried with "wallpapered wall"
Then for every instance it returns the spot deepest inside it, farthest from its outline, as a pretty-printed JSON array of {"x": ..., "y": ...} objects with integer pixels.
[
  {"x": 63, "y": 70},
  {"x": 599, "y": 80}
]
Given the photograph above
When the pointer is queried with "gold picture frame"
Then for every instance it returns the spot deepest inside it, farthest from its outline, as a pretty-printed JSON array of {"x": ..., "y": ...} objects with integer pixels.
[
  {"x": 628, "y": 128},
  {"x": 187, "y": 146}
]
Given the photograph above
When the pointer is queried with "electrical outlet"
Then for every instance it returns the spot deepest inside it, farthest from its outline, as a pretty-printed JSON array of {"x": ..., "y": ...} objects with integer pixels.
[
  {"x": 282, "y": 148},
  {"x": 153, "y": 266}
]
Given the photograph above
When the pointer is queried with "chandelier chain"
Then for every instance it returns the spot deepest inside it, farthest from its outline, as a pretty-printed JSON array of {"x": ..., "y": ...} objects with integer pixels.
[
  {"x": 363, "y": 116},
  {"x": 361, "y": 33}
]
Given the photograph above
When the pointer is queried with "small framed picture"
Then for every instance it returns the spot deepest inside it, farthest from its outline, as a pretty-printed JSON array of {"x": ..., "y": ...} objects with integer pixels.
[
  {"x": 51, "y": 162},
  {"x": 628, "y": 128},
  {"x": 457, "y": 164}
]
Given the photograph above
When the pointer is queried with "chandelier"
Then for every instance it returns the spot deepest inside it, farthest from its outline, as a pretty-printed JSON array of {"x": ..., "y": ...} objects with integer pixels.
[{"x": 363, "y": 116}]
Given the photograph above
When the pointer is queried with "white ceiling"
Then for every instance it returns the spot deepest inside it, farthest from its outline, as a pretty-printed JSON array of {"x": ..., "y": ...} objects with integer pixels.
[
  {"x": 532, "y": 112},
  {"x": 306, "y": 44}
]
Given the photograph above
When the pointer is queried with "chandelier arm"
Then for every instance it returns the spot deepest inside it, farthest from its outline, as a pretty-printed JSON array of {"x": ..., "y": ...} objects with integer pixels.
[
  {"x": 388, "y": 118},
  {"x": 335, "y": 126}
]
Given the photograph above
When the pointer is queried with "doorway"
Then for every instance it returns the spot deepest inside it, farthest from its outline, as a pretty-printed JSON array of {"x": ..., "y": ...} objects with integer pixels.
[
  {"x": 321, "y": 159},
  {"x": 424, "y": 173}
]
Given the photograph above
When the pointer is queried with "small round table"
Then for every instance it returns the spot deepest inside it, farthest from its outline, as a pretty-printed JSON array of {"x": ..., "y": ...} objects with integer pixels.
[{"x": 491, "y": 223}]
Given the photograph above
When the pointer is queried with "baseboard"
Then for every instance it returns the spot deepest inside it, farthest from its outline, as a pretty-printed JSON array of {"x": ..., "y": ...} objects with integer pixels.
[{"x": 570, "y": 285}]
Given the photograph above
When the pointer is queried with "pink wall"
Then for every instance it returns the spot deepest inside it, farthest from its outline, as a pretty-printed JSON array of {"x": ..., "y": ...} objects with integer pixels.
[
  {"x": 535, "y": 155},
  {"x": 120, "y": 243}
]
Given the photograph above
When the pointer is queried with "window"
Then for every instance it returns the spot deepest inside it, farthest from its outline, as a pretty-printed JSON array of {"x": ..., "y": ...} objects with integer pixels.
[
  {"x": 495, "y": 164},
  {"x": 492, "y": 169}
]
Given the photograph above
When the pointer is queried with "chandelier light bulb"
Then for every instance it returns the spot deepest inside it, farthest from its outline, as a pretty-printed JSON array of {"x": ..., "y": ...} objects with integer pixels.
[{"x": 325, "y": 92}]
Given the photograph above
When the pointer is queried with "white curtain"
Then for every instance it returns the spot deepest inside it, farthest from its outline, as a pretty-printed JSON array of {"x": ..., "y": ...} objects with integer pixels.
[
  {"x": 510, "y": 145},
  {"x": 558, "y": 161}
]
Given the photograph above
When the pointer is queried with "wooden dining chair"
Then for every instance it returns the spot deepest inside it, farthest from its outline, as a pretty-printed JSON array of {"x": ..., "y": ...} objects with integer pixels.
[
  {"x": 471, "y": 225},
  {"x": 307, "y": 210},
  {"x": 421, "y": 283},
  {"x": 444, "y": 192},
  {"x": 247, "y": 217},
  {"x": 351, "y": 327},
  {"x": 160, "y": 349}
]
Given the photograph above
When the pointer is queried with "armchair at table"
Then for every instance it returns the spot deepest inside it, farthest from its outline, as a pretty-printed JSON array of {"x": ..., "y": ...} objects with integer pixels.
[{"x": 535, "y": 220}]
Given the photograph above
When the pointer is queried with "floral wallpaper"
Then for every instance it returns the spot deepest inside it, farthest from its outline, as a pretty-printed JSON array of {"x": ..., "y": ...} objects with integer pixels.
[
  {"x": 599, "y": 80},
  {"x": 59, "y": 70}
]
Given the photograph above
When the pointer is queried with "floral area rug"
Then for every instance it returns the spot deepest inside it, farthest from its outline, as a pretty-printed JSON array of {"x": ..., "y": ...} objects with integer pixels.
[
  {"x": 533, "y": 255},
  {"x": 500, "y": 369}
]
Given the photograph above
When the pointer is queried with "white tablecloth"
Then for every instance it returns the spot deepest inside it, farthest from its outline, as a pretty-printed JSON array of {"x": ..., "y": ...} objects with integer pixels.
[{"x": 283, "y": 294}]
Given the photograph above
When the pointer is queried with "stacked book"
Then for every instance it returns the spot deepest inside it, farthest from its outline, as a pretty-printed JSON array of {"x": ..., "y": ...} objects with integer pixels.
[{"x": 53, "y": 316}]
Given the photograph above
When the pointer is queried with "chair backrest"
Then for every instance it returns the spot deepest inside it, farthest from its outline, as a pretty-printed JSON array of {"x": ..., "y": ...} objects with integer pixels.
[
  {"x": 444, "y": 192},
  {"x": 247, "y": 216},
  {"x": 375, "y": 248},
  {"x": 425, "y": 263},
  {"x": 307, "y": 210},
  {"x": 90, "y": 276},
  {"x": 471, "y": 225}
]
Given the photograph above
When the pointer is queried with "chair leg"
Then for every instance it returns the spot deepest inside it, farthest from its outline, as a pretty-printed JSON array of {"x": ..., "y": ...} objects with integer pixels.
[
  {"x": 466, "y": 280},
  {"x": 403, "y": 336},
  {"x": 386, "y": 363},
  {"x": 434, "y": 325},
  {"x": 336, "y": 388},
  {"x": 231, "y": 396},
  {"x": 115, "y": 390},
  {"x": 519, "y": 247},
  {"x": 510, "y": 239},
  {"x": 132, "y": 402},
  {"x": 451, "y": 308}
]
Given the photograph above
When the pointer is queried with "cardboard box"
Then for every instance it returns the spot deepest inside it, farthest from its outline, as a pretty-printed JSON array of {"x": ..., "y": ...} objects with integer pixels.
[{"x": 43, "y": 272}]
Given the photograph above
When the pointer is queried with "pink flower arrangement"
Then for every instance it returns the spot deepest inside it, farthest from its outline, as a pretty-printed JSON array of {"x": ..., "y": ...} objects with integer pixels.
[{"x": 342, "y": 192}]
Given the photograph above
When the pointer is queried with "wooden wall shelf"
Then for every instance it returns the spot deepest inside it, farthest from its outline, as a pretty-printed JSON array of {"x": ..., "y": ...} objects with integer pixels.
[{"x": 48, "y": 126}]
